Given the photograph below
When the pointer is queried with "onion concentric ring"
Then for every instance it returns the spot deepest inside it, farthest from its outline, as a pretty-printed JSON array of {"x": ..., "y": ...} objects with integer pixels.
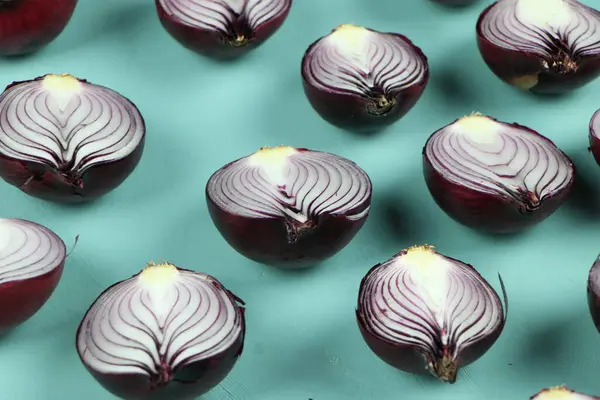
[
  {"x": 361, "y": 79},
  {"x": 285, "y": 204},
  {"x": 32, "y": 258},
  {"x": 495, "y": 176},
  {"x": 165, "y": 329},
  {"x": 594, "y": 136},
  {"x": 65, "y": 139},
  {"x": 546, "y": 46},
  {"x": 222, "y": 28},
  {"x": 422, "y": 311}
]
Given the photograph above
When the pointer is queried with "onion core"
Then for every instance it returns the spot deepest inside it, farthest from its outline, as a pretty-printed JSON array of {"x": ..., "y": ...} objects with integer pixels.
[
  {"x": 561, "y": 393},
  {"x": 360, "y": 79},
  {"x": 495, "y": 176},
  {"x": 422, "y": 311},
  {"x": 222, "y": 28},
  {"x": 545, "y": 46},
  {"x": 165, "y": 333},
  {"x": 66, "y": 140},
  {"x": 289, "y": 206},
  {"x": 32, "y": 258},
  {"x": 26, "y": 26}
]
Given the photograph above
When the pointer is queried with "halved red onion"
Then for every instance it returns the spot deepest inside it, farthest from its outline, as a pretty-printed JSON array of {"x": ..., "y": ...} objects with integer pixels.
[
  {"x": 165, "y": 333},
  {"x": 67, "y": 140},
  {"x": 594, "y": 136},
  {"x": 360, "y": 79},
  {"x": 545, "y": 46},
  {"x": 222, "y": 28},
  {"x": 288, "y": 206},
  {"x": 32, "y": 258},
  {"x": 561, "y": 393},
  {"x": 422, "y": 311},
  {"x": 593, "y": 292},
  {"x": 495, "y": 176},
  {"x": 28, "y": 25}
]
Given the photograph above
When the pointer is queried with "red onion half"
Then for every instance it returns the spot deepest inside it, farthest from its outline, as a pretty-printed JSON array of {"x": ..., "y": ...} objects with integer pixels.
[
  {"x": 165, "y": 333},
  {"x": 422, "y": 311},
  {"x": 593, "y": 292},
  {"x": 561, "y": 393},
  {"x": 32, "y": 258},
  {"x": 287, "y": 206},
  {"x": 363, "y": 80},
  {"x": 222, "y": 29},
  {"x": 495, "y": 176},
  {"x": 545, "y": 46},
  {"x": 594, "y": 136},
  {"x": 28, "y": 25},
  {"x": 66, "y": 140}
]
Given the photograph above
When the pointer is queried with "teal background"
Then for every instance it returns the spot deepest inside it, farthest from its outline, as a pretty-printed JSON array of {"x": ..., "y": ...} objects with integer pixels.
[{"x": 302, "y": 339}]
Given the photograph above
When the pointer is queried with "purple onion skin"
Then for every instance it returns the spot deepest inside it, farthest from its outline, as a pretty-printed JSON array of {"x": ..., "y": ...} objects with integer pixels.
[
  {"x": 349, "y": 112},
  {"x": 26, "y": 26},
  {"x": 594, "y": 140},
  {"x": 46, "y": 183},
  {"x": 200, "y": 378},
  {"x": 410, "y": 360},
  {"x": 212, "y": 44},
  {"x": 594, "y": 299},
  {"x": 264, "y": 240},
  {"x": 511, "y": 65},
  {"x": 483, "y": 211},
  {"x": 22, "y": 299}
]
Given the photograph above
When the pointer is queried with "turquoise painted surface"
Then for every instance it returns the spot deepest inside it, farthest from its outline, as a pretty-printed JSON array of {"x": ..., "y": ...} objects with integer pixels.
[{"x": 302, "y": 338}]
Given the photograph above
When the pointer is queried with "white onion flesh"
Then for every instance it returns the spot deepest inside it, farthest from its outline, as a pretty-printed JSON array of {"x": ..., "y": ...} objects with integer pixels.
[
  {"x": 561, "y": 393},
  {"x": 28, "y": 250},
  {"x": 176, "y": 317},
  {"x": 498, "y": 158},
  {"x": 595, "y": 125},
  {"x": 538, "y": 26},
  {"x": 357, "y": 60},
  {"x": 67, "y": 123},
  {"x": 219, "y": 15},
  {"x": 423, "y": 299},
  {"x": 287, "y": 182}
]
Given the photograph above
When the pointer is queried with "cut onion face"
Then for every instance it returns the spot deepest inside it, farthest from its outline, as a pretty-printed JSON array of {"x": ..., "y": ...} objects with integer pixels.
[
  {"x": 26, "y": 26},
  {"x": 594, "y": 136},
  {"x": 593, "y": 292},
  {"x": 363, "y": 80},
  {"x": 64, "y": 139},
  {"x": 421, "y": 311},
  {"x": 223, "y": 29},
  {"x": 32, "y": 258},
  {"x": 544, "y": 46},
  {"x": 289, "y": 207},
  {"x": 165, "y": 333},
  {"x": 495, "y": 176},
  {"x": 561, "y": 393}
]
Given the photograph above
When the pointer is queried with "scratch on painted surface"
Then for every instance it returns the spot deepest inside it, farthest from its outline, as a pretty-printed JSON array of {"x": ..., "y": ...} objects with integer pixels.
[
  {"x": 230, "y": 390},
  {"x": 471, "y": 379}
]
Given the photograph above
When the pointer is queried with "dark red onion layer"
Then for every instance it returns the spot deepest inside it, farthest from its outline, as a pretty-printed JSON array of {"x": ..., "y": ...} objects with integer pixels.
[
  {"x": 222, "y": 29},
  {"x": 422, "y": 311},
  {"x": 289, "y": 207},
  {"x": 166, "y": 333},
  {"x": 67, "y": 140},
  {"x": 363, "y": 80},
  {"x": 28, "y": 25},
  {"x": 32, "y": 258},
  {"x": 495, "y": 176},
  {"x": 544, "y": 46},
  {"x": 593, "y": 292},
  {"x": 594, "y": 136},
  {"x": 561, "y": 393}
]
